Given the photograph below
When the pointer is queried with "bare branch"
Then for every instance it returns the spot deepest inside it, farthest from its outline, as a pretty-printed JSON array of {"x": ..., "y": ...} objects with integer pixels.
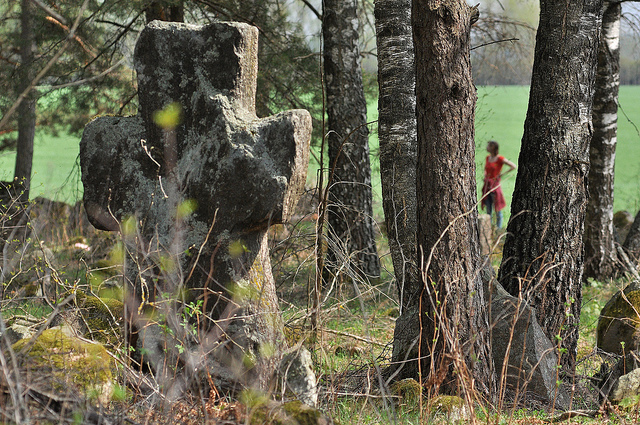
[
  {"x": 48, "y": 66},
  {"x": 50, "y": 11}
]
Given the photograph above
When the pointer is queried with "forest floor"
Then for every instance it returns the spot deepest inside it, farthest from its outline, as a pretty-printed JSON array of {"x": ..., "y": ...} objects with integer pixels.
[{"x": 353, "y": 347}]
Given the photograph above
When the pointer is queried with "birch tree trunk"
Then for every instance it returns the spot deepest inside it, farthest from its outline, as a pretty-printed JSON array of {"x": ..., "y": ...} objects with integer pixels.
[
  {"x": 543, "y": 251},
  {"x": 454, "y": 323},
  {"x": 398, "y": 156},
  {"x": 601, "y": 260},
  {"x": 351, "y": 239}
]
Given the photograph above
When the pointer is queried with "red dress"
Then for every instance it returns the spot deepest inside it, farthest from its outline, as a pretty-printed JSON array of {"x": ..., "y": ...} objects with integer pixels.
[{"x": 492, "y": 185}]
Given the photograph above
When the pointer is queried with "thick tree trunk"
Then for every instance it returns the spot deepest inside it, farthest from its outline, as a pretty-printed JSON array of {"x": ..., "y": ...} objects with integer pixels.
[
  {"x": 351, "y": 238},
  {"x": 398, "y": 155},
  {"x": 27, "y": 109},
  {"x": 454, "y": 324},
  {"x": 601, "y": 260},
  {"x": 543, "y": 251}
]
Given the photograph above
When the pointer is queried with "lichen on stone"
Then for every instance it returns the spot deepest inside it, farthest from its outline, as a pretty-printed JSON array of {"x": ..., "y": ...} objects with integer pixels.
[{"x": 103, "y": 318}]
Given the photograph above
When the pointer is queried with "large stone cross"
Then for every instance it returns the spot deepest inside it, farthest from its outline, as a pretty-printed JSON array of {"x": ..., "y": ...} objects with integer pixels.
[{"x": 203, "y": 193}]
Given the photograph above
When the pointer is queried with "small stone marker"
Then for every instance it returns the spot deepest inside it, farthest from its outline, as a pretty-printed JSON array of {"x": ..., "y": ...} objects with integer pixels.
[{"x": 203, "y": 193}]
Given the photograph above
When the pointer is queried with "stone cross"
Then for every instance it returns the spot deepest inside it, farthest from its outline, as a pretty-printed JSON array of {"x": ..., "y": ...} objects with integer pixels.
[{"x": 202, "y": 192}]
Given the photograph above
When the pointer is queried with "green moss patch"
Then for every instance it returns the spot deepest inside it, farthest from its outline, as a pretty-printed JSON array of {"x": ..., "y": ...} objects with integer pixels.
[
  {"x": 62, "y": 363},
  {"x": 408, "y": 390},
  {"x": 103, "y": 318}
]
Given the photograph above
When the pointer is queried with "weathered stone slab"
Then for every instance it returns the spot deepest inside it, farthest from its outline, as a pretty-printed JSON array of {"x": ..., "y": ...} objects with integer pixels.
[
  {"x": 202, "y": 192},
  {"x": 522, "y": 353}
]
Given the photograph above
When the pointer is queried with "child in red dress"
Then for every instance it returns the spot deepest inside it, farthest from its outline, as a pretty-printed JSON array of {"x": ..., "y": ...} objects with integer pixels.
[{"x": 492, "y": 196}]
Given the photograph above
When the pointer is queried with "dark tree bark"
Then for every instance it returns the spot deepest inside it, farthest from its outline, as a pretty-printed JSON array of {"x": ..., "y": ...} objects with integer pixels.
[
  {"x": 351, "y": 228},
  {"x": 543, "y": 251},
  {"x": 27, "y": 108},
  {"x": 454, "y": 323},
  {"x": 170, "y": 11},
  {"x": 601, "y": 260},
  {"x": 398, "y": 155}
]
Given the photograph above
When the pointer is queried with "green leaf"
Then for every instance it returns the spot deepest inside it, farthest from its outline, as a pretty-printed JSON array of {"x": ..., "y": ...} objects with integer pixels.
[{"x": 169, "y": 117}]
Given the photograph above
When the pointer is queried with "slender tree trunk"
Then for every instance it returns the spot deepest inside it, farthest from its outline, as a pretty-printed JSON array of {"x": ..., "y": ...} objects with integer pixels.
[
  {"x": 601, "y": 260},
  {"x": 398, "y": 155},
  {"x": 27, "y": 109},
  {"x": 543, "y": 251},
  {"x": 172, "y": 11},
  {"x": 352, "y": 235},
  {"x": 455, "y": 337}
]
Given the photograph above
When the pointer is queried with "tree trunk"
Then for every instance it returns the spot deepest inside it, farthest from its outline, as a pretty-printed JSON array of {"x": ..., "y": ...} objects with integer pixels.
[
  {"x": 543, "y": 251},
  {"x": 351, "y": 228},
  {"x": 601, "y": 260},
  {"x": 454, "y": 324},
  {"x": 27, "y": 109},
  {"x": 172, "y": 11},
  {"x": 398, "y": 154}
]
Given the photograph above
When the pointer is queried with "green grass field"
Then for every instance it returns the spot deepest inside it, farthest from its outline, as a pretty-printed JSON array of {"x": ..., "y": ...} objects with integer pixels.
[
  {"x": 55, "y": 173},
  {"x": 500, "y": 115}
]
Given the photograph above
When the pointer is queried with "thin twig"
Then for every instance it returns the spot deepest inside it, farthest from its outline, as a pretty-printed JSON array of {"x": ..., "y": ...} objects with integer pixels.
[
  {"x": 494, "y": 42},
  {"x": 46, "y": 68}
]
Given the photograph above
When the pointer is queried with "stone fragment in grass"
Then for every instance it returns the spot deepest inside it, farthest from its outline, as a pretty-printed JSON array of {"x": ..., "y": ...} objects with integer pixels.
[
  {"x": 618, "y": 330},
  {"x": 452, "y": 407},
  {"x": 627, "y": 386},
  {"x": 296, "y": 370}
]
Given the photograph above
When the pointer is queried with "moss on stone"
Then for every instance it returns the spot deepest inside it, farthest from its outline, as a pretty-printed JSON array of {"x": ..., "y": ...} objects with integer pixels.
[
  {"x": 70, "y": 365},
  {"x": 446, "y": 403},
  {"x": 620, "y": 320},
  {"x": 303, "y": 414},
  {"x": 408, "y": 390},
  {"x": 101, "y": 318},
  {"x": 290, "y": 413},
  {"x": 453, "y": 407}
]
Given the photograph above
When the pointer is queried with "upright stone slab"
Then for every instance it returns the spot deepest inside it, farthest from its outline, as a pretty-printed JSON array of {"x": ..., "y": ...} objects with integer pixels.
[
  {"x": 524, "y": 358},
  {"x": 522, "y": 353},
  {"x": 238, "y": 173}
]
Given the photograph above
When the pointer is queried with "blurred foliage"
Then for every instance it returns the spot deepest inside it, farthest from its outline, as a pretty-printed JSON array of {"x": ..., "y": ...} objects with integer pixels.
[
  {"x": 90, "y": 77},
  {"x": 94, "y": 75}
]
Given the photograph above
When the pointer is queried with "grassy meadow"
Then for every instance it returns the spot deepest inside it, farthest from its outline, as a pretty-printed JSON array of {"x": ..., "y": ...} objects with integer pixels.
[{"x": 500, "y": 116}]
